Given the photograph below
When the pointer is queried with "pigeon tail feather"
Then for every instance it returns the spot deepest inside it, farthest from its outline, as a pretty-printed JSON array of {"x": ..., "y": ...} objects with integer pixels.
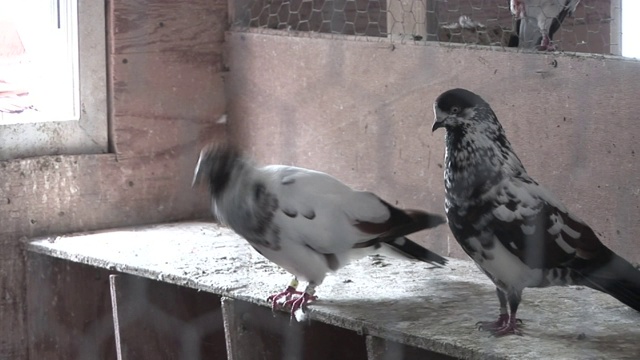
[
  {"x": 420, "y": 220},
  {"x": 616, "y": 277},
  {"x": 414, "y": 251}
]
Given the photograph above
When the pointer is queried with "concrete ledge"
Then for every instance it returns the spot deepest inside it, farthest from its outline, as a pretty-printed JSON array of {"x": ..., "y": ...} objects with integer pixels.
[{"x": 401, "y": 301}]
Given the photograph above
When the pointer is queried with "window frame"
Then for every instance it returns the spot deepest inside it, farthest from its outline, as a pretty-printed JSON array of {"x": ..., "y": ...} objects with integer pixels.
[{"x": 89, "y": 134}]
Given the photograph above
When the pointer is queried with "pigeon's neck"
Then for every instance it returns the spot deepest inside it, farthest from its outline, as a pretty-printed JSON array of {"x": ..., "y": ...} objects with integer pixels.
[
  {"x": 224, "y": 180},
  {"x": 477, "y": 159}
]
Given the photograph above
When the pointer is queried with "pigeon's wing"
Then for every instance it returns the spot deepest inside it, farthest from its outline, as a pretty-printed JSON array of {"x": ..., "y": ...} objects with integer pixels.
[
  {"x": 535, "y": 227},
  {"x": 568, "y": 9},
  {"x": 540, "y": 231},
  {"x": 329, "y": 216}
]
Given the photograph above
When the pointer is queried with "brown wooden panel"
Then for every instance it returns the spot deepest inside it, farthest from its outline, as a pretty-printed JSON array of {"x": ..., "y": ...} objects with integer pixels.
[
  {"x": 362, "y": 111},
  {"x": 12, "y": 304},
  {"x": 70, "y": 310},
  {"x": 163, "y": 99},
  {"x": 192, "y": 27},
  {"x": 381, "y": 349},
  {"x": 56, "y": 195},
  {"x": 134, "y": 141},
  {"x": 77, "y": 193},
  {"x": 157, "y": 320},
  {"x": 256, "y": 332},
  {"x": 169, "y": 85},
  {"x": 163, "y": 104}
]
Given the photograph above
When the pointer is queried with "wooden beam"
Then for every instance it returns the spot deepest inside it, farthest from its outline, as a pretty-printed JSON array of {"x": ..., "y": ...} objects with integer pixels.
[
  {"x": 242, "y": 342},
  {"x": 70, "y": 311},
  {"x": 383, "y": 349},
  {"x": 116, "y": 321},
  {"x": 615, "y": 32}
]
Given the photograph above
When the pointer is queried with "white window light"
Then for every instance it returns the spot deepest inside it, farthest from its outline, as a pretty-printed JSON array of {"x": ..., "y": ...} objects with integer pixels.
[
  {"x": 39, "y": 70},
  {"x": 69, "y": 96},
  {"x": 630, "y": 28}
]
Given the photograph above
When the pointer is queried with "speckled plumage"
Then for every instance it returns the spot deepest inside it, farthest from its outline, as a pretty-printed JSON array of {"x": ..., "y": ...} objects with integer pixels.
[
  {"x": 306, "y": 221},
  {"x": 513, "y": 228}
]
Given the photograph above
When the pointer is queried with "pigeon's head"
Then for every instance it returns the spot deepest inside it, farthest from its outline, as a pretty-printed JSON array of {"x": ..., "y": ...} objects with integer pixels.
[
  {"x": 457, "y": 108},
  {"x": 215, "y": 166}
]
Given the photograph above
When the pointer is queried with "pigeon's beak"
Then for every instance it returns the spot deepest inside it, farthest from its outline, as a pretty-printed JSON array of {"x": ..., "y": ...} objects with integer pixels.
[
  {"x": 196, "y": 179},
  {"x": 197, "y": 174},
  {"x": 438, "y": 122}
]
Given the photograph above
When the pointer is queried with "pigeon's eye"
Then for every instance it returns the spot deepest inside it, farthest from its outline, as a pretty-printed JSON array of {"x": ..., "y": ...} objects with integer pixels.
[{"x": 455, "y": 109}]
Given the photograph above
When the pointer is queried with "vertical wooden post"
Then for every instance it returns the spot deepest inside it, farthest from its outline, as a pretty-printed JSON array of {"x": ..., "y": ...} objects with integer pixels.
[
  {"x": 157, "y": 320},
  {"x": 615, "y": 30},
  {"x": 239, "y": 12},
  {"x": 116, "y": 321},
  {"x": 407, "y": 18},
  {"x": 381, "y": 349},
  {"x": 231, "y": 327},
  {"x": 243, "y": 342},
  {"x": 69, "y": 313},
  {"x": 432, "y": 21}
]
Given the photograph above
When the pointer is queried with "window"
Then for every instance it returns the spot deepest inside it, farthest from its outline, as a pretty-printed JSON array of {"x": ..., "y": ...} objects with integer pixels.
[
  {"x": 630, "y": 28},
  {"x": 52, "y": 78}
]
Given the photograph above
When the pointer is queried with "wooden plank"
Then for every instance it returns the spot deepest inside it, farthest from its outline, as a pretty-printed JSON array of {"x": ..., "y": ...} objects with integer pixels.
[
  {"x": 191, "y": 27},
  {"x": 116, "y": 319},
  {"x": 239, "y": 14},
  {"x": 254, "y": 332},
  {"x": 63, "y": 326},
  {"x": 77, "y": 193},
  {"x": 432, "y": 21},
  {"x": 240, "y": 343},
  {"x": 615, "y": 38},
  {"x": 404, "y": 302},
  {"x": 382, "y": 349},
  {"x": 155, "y": 320},
  {"x": 184, "y": 108},
  {"x": 54, "y": 195},
  {"x": 149, "y": 180},
  {"x": 373, "y": 129},
  {"x": 13, "y": 306}
]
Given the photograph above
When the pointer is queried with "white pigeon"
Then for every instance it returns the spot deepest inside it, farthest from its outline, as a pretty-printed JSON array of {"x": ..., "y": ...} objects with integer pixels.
[
  {"x": 306, "y": 221},
  {"x": 538, "y": 20}
]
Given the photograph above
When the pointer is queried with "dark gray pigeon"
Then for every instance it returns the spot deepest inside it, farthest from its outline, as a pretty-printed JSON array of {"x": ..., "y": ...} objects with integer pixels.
[
  {"x": 518, "y": 233},
  {"x": 306, "y": 221},
  {"x": 538, "y": 20}
]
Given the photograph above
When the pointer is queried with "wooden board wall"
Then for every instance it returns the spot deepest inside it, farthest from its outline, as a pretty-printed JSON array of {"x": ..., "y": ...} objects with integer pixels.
[
  {"x": 362, "y": 111},
  {"x": 165, "y": 96}
]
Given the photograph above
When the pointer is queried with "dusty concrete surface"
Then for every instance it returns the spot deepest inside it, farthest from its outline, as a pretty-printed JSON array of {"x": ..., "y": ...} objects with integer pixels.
[{"x": 407, "y": 302}]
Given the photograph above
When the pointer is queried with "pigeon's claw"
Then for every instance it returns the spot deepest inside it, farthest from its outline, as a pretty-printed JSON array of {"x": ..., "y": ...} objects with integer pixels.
[
  {"x": 510, "y": 329},
  {"x": 299, "y": 303},
  {"x": 505, "y": 325},
  {"x": 503, "y": 319},
  {"x": 282, "y": 298},
  {"x": 547, "y": 44}
]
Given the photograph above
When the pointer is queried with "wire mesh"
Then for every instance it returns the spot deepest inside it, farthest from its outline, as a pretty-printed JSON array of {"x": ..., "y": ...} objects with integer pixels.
[{"x": 593, "y": 26}]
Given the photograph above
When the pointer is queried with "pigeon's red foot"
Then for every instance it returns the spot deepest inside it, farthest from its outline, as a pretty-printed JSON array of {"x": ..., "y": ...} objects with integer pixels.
[
  {"x": 505, "y": 325},
  {"x": 503, "y": 319},
  {"x": 511, "y": 328},
  {"x": 546, "y": 45},
  {"x": 282, "y": 298},
  {"x": 549, "y": 47},
  {"x": 299, "y": 303}
]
